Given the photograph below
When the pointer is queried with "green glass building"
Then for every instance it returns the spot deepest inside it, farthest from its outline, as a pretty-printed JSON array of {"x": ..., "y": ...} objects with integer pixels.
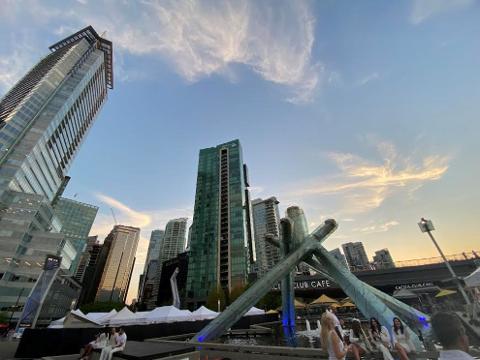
[
  {"x": 77, "y": 219},
  {"x": 221, "y": 241}
]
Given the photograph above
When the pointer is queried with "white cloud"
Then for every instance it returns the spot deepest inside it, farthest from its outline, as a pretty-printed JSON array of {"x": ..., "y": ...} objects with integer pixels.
[
  {"x": 200, "y": 38},
  {"x": 362, "y": 185},
  {"x": 368, "y": 78},
  {"x": 377, "y": 228},
  {"x": 424, "y": 9}
]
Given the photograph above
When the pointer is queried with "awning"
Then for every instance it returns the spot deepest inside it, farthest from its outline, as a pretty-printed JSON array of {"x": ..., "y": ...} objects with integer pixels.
[
  {"x": 445, "y": 292},
  {"x": 473, "y": 280},
  {"x": 324, "y": 300}
]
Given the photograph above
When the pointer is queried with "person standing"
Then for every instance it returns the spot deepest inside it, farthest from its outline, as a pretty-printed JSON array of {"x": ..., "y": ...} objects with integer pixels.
[
  {"x": 338, "y": 326},
  {"x": 449, "y": 330},
  {"x": 331, "y": 342}
]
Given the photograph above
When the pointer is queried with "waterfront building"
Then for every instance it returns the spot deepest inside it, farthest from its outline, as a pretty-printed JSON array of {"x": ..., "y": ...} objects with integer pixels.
[
  {"x": 173, "y": 243},
  {"x": 119, "y": 264},
  {"x": 85, "y": 258},
  {"x": 179, "y": 262},
  {"x": 266, "y": 220},
  {"x": 356, "y": 256},
  {"x": 221, "y": 242},
  {"x": 147, "y": 279},
  {"x": 44, "y": 119},
  {"x": 77, "y": 219},
  {"x": 337, "y": 254},
  {"x": 383, "y": 260}
]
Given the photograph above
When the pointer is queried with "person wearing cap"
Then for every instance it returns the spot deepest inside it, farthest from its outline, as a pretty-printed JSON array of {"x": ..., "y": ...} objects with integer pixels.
[{"x": 450, "y": 332}]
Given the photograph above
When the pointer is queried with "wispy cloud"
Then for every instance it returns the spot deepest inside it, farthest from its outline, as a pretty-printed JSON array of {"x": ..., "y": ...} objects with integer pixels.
[
  {"x": 199, "y": 38},
  {"x": 424, "y": 9},
  {"x": 368, "y": 78},
  {"x": 362, "y": 185},
  {"x": 377, "y": 228}
]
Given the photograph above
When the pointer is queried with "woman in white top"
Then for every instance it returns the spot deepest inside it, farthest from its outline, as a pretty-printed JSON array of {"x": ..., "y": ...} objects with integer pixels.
[
  {"x": 380, "y": 338},
  {"x": 330, "y": 340},
  {"x": 359, "y": 342},
  {"x": 401, "y": 340}
]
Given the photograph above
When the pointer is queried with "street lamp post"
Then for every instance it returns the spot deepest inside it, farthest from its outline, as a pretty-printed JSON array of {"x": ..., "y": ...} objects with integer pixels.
[{"x": 427, "y": 226}]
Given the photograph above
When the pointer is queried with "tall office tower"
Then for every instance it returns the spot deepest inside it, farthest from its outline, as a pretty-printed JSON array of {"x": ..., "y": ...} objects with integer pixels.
[
  {"x": 220, "y": 248},
  {"x": 85, "y": 258},
  {"x": 356, "y": 256},
  {"x": 94, "y": 270},
  {"x": 336, "y": 253},
  {"x": 43, "y": 120},
  {"x": 119, "y": 265},
  {"x": 147, "y": 279},
  {"x": 77, "y": 219},
  {"x": 383, "y": 259},
  {"x": 173, "y": 244},
  {"x": 266, "y": 220}
]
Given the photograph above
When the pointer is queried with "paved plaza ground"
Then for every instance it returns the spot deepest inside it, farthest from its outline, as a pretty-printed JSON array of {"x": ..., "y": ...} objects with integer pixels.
[{"x": 7, "y": 349}]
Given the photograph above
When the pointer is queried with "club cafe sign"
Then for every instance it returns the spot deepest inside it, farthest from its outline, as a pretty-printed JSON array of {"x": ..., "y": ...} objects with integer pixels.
[{"x": 310, "y": 284}]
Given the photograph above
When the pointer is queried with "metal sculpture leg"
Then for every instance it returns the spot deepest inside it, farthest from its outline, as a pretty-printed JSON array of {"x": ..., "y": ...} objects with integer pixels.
[
  {"x": 263, "y": 285},
  {"x": 287, "y": 288},
  {"x": 369, "y": 304}
]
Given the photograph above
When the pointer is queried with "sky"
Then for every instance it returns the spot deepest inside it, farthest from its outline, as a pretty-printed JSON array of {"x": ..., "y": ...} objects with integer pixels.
[{"x": 365, "y": 112}]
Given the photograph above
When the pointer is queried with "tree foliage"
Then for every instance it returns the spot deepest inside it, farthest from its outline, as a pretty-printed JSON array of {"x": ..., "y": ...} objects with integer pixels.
[
  {"x": 102, "y": 306},
  {"x": 215, "y": 294},
  {"x": 271, "y": 301},
  {"x": 235, "y": 293}
]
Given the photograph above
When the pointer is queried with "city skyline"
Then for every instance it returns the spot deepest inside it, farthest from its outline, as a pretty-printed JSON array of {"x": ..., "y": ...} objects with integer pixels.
[{"x": 373, "y": 124}]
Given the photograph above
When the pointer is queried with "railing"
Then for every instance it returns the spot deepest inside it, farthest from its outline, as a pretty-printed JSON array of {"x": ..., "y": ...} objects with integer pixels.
[{"x": 472, "y": 255}]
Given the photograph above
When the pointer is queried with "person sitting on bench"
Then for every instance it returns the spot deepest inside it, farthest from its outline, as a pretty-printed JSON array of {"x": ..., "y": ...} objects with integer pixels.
[{"x": 120, "y": 341}]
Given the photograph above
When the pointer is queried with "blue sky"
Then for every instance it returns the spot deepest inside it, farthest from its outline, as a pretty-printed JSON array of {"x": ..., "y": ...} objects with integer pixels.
[{"x": 362, "y": 111}]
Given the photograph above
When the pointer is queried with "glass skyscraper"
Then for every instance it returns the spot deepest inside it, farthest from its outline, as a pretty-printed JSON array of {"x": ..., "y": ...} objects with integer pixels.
[
  {"x": 173, "y": 243},
  {"x": 221, "y": 243},
  {"x": 266, "y": 220},
  {"x": 44, "y": 119},
  {"x": 147, "y": 279},
  {"x": 77, "y": 219},
  {"x": 119, "y": 265}
]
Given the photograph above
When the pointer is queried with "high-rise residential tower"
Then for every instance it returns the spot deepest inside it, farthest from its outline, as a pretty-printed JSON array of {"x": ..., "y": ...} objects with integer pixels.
[
  {"x": 383, "y": 259},
  {"x": 77, "y": 219},
  {"x": 119, "y": 265},
  {"x": 147, "y": 279},
  {"x": 221, "y": 245},
  {"x": 173, "y": 243},
  {"x": 356, "y": 256},
  {"x": 266, "y": 220},
  {"x": 44, "y": 119}
]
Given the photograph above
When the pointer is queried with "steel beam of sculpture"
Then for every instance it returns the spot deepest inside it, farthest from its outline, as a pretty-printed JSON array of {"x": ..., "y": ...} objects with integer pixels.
[
  {"x": 287, "y": 284},
  {"x": 263, "y": 285},
  {"x": 371, "y": 302},
  {"x": 174, "y": 287}
]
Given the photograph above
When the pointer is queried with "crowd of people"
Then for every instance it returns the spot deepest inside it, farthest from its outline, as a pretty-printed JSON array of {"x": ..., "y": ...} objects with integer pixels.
[
  {"x": 339, "y": 342},
  {"x": 109, "y": 341}
]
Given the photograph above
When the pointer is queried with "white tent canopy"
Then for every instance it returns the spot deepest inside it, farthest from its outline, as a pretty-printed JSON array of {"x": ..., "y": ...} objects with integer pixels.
[
  {"x": 73, "y": 319},
  {"x": 255, "y": 311},
  {"x": 168, "y": 314},
  {"x": 473, "y": 280},
  {"x": 101, "y": 317},
  {"x": 123, "y": 317},
  {"x": 203, "y": 313}
]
